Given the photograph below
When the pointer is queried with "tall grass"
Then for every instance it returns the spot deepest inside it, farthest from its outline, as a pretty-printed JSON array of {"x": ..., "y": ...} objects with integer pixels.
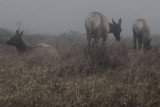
[{"x": 112, "y": 76}]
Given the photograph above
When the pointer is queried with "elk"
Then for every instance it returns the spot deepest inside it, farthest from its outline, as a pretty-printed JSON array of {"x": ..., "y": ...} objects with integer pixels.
[
  {"x": 98, "y": 27},
  {"x": 21, "y": 47},
  {"x": 141, "y": 31}
]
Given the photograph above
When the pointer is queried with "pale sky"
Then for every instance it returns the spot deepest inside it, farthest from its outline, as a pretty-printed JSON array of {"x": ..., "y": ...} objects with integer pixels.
[{"x": 58, "y": 16}]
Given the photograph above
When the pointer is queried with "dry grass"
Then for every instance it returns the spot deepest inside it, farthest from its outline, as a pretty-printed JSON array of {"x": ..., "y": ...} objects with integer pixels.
[{"x": 114, "y": 76}]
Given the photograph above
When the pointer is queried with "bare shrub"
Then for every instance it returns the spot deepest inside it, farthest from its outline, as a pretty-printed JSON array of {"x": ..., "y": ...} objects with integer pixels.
[{"x": 109, "y": 57}]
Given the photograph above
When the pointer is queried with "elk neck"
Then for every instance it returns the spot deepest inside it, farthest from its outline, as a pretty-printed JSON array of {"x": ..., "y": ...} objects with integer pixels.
[
  {"x": 111, "y": 28},
  {"x": 21, "y": 46}
]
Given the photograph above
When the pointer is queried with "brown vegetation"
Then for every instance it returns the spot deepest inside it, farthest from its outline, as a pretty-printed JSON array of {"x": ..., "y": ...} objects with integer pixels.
[{"x": 114, "y": 76}]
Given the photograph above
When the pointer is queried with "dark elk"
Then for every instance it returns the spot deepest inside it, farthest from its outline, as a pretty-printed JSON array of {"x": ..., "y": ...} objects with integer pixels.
[
  {"x": 17, "y": 41},
  {"x": 141, "y": 31},
  {"x": 98, "y": 27},
  {"x": 21, "y": 47}
]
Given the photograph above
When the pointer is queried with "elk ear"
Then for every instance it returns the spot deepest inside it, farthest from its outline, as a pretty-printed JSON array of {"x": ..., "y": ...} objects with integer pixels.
[
  {"x": 120, "y": 21},
  {"x": 113, "y": 21},
  {"x": 21, "y": 33},
  {"x": 17, "y": 32},
  {"x": 150, "y": 39}
]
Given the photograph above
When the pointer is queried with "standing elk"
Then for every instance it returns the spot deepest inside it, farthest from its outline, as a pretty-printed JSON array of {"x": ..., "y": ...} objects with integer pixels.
[
  {"x": 98, "y": 27},
  {"x": 141, "y": 31},
  {"x": 21, "y": 47}
]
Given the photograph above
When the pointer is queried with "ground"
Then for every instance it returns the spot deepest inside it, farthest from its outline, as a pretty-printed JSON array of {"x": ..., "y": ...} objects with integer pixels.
[{"x": 114, "y": 76}]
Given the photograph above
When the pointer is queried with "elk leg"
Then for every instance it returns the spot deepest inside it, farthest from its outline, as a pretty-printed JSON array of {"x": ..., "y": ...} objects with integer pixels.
[
  {"x": 104, "y": 40},
  {"x": 89, "y": 40},
  {"x": 134, "y": 40},
  {"x": 140, "y": 42},
  {"x": 96, "y": 39}
]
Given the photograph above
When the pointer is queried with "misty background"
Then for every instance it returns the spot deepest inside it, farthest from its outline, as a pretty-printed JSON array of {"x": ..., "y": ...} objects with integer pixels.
[{"x": 58, "y": 16}]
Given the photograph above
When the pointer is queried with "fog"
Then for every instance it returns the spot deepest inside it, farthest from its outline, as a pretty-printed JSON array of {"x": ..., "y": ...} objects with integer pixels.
[{"x": 58, "y": 16}]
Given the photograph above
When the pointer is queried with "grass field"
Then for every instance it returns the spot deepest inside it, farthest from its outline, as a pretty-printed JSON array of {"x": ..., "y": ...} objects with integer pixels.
[{"x": 116, "y": 76}]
